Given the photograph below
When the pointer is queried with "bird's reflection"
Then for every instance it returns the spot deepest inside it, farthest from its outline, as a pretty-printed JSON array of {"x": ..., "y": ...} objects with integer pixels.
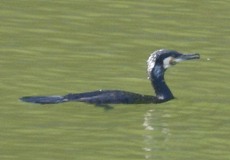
[{"x": 157, "y": 133}]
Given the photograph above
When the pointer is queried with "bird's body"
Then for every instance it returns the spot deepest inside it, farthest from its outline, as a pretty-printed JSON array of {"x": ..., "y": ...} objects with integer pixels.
[
  {"x": 157, "y": 63},
  {"x": 96, "y": 97}
]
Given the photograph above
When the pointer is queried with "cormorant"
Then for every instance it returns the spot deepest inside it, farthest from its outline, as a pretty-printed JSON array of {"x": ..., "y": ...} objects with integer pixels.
[{"x": 157, "y": 64}]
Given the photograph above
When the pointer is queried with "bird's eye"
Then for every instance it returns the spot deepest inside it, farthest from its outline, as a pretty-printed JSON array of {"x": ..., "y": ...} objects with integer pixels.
[{"x": 172, "y": 61}]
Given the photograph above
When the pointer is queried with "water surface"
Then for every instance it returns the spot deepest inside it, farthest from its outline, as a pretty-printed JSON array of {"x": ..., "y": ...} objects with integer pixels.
[{"x": 69, "y": 46}]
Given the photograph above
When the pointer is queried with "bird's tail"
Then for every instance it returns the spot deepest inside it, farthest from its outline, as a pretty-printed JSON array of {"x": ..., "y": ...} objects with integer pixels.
[{"x": 44, "y": 99}]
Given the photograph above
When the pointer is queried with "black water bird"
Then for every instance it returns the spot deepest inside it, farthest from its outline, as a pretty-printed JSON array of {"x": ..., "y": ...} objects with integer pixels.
[{"x": 157, "y": 64}]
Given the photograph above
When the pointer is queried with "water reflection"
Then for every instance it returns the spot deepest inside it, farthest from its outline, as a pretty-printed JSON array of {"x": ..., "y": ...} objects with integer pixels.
[{"x": 157, "y": 133}]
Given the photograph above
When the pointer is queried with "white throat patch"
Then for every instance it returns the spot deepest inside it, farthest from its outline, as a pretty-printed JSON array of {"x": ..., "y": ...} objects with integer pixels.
[{"x": 168, "y": 62}]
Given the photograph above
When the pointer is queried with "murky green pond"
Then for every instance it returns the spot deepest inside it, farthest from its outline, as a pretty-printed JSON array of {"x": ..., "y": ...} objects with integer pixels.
[{"x": 58, "y": 47}]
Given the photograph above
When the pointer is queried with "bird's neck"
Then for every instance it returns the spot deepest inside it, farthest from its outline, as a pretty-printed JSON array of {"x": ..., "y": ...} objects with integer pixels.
[{"x": 162, "y": 91}]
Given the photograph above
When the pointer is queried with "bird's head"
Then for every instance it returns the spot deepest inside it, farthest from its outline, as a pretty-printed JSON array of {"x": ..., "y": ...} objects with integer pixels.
[{"x": 164, "y": 59}]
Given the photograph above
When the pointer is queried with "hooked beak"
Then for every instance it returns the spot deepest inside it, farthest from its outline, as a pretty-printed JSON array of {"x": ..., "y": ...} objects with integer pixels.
[{"x": 185, "y": 57}]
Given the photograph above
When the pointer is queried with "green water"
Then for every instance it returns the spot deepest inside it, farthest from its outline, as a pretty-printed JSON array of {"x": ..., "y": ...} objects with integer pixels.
[{"x": 58, "y": 47}]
